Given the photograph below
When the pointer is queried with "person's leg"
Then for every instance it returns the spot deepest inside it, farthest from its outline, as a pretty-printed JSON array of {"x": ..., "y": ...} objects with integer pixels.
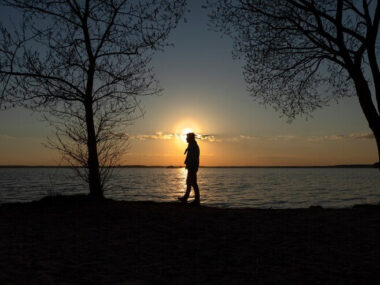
[
  {"x": 188, "y": 187},
  {"x": 187, "y": 193},
  {"x": 197, "y": 195},
  {"x": 196, "y": 188}
]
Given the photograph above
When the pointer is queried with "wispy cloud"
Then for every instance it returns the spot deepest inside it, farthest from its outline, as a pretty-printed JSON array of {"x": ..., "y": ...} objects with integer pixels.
[
  {"x": 6, "y": 137},
  {"x": 365, "y": 136},
  {"x": 16, "y": 139},
  {"x": 284, "y": 137},
  {"x": 199, "y": 136},
  {"x": 210, "y": 137},
  {"x": 169, "y": 136},
  {"x": 335, "y": 137},
  {"x": 239, "y": 138},
  {"x": 245, "y": 137},
  {"x": 326, "y": 138},
  {"x": 155, "y": 136}
]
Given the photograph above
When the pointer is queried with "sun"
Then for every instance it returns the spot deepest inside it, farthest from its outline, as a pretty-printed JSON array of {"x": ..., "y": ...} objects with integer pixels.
[
  {"x": 182, "y": 128},
  {"x": 185, "y": 131}
]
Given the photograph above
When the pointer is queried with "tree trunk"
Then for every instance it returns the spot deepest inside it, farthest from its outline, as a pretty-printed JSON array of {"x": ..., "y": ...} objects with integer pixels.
[
  {"x": 369, "y": 109},
  {"x": 377, "y": 137},
  {"x": 96, "y": 190},
  {"x": 94, "y": 181}
]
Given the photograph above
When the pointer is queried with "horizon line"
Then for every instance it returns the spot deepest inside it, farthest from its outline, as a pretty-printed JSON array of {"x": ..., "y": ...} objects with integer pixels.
[{"x": 203, "y": 166}]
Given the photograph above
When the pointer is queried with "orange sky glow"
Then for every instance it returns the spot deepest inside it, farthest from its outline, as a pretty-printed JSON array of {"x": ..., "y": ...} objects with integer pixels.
[
  {"x": 204, "y": 91},
  {"x": 217, "y": 149}
]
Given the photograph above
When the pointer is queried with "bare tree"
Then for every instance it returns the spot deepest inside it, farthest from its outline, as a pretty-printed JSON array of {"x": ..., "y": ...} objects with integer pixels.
[
  {"x": 84, "y": 63},
  {"x": 302, "y": 53}
]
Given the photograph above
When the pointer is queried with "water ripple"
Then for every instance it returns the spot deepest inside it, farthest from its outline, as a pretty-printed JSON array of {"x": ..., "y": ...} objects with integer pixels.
[{"x": 223, "y": 187}]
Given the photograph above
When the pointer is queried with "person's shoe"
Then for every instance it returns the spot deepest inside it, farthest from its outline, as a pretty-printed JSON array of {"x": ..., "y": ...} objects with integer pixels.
[
  {"x": 183, "y": 199},
  {"x": 196, "y": 203}
]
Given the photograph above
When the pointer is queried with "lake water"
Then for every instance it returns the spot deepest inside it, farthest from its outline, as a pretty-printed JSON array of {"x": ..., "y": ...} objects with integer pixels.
[{"x": 223, "y": 187}]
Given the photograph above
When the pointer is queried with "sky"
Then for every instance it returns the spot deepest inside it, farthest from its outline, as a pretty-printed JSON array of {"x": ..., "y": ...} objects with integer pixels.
[{"x": 204, "y": 90}]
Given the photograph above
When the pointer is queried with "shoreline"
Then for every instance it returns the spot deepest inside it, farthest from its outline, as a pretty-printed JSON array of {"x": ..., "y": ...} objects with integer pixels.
[
  {"x": 72, "y": 239},
  {"x": 62, "y": 199}
]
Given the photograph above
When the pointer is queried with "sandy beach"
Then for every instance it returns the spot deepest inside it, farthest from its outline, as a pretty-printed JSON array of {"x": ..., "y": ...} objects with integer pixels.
[{"x": 74, "y": 240}]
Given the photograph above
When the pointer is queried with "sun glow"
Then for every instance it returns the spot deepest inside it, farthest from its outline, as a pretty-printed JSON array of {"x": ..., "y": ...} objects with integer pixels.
[
  {"x": 185, "y": 131},
  {"x": 182, "y": 128}
]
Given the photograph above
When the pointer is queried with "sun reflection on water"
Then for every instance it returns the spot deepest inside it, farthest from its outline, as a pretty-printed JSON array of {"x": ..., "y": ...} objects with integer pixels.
[
  {"x": 182, "y": 174},
  {"x": 240, "y": 187}
]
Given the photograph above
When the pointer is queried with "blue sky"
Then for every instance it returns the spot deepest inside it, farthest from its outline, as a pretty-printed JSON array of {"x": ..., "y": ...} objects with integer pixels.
[{"x": 204, "y": 90}]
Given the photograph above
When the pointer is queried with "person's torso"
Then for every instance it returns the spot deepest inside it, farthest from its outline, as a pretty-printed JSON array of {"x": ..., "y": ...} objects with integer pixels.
[{"x": 192, "y": 157}]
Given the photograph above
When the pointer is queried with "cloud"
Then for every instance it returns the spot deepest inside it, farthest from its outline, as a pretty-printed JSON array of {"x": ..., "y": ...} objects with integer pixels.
[
  {"x": 246, "y": 137},
  {"x": 355, "y": 136},
  {"x": 239, "y": 138},
  {"x": 208, "y": 137},
  {"x": 169, "y": 136},
  {"x": 327, "y": 138},
  {"x": 242, "y": 138},
  {"x": 155, "y": 136},
  {"x": 284, "y": 137},
  {"x": 221, "y": 138},
  {"x": 213, "y": 138},
  {"x": 6, "y": 137},
  {"x": 365, "y": 136}
]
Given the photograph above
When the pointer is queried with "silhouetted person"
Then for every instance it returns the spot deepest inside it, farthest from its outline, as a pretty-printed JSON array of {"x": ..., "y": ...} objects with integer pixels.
[{"x": 192, "y": 165}]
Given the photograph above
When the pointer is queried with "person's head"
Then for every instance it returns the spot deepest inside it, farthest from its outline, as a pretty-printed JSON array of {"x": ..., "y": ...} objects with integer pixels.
[{"x": 190, "y": 137}]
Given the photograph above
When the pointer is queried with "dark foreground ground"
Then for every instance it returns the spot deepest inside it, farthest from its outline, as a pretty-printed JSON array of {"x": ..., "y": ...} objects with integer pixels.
[{"x": 70, "y": 240}]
